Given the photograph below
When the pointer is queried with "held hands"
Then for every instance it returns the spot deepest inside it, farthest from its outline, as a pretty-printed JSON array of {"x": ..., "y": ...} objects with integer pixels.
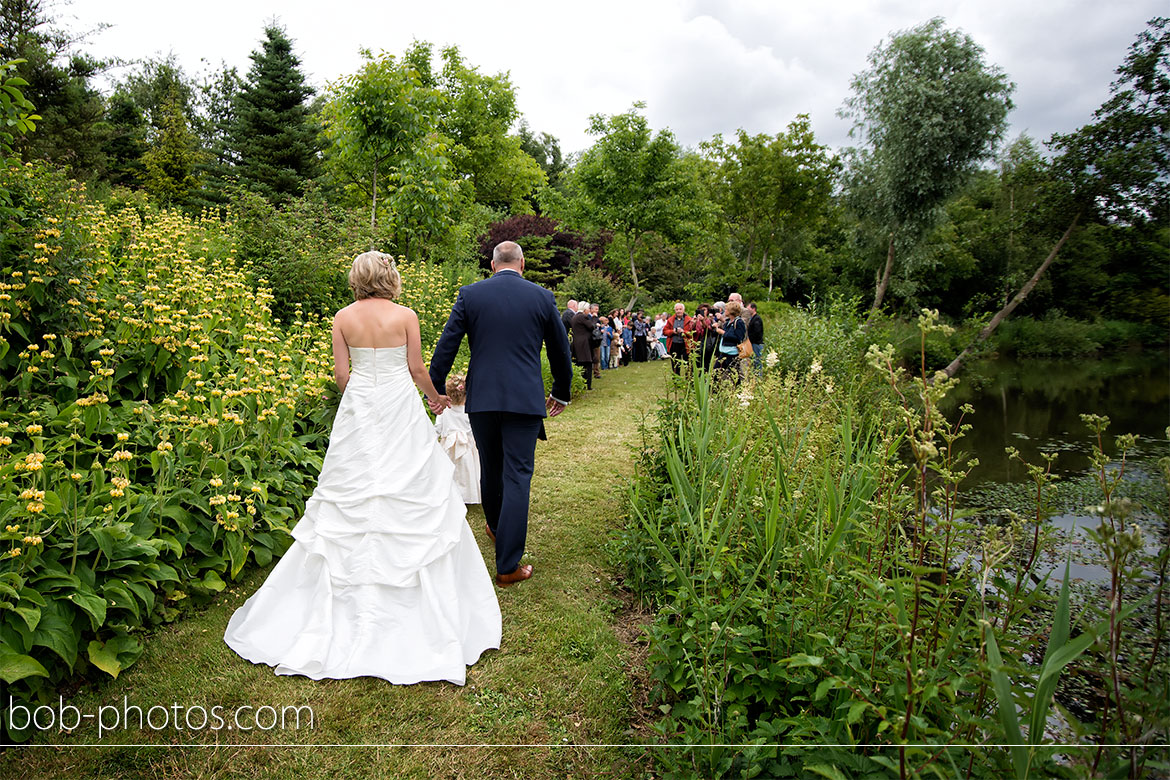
[
  {"x": 553, "y": 406},
  {"x": 437, "y": 405}
]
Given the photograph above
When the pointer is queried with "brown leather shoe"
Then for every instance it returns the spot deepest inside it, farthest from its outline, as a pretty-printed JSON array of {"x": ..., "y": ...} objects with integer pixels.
[
  {"x": 491, "y": 534},
  {"x": 522, "y": 573}
]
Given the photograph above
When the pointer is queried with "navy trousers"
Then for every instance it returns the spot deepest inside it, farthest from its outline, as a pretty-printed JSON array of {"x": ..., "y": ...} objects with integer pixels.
[{"x": 507, "y": 453}]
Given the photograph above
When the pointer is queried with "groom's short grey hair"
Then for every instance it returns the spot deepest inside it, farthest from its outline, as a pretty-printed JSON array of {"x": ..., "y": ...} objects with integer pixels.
[{"x": 507, "y": 253}]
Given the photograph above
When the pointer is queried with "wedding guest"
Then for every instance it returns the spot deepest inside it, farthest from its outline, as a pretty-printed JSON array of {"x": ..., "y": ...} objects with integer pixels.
[
  {"x": 567, "y": 316},
  {"x": 732, "y": 331},
  {"x": 641, "y": 330},
  {"x": 615, "y": 346},
  {"x": 627, "y": 343},
  {"x": 582, "y": 348},
  {"x": 674, "y": 331},
  {"x": 708, "y": 338},
  {"x": 606, "y": 342},
  {"x": 596, "y": 338},
  {"x": 755, "y": 334}
]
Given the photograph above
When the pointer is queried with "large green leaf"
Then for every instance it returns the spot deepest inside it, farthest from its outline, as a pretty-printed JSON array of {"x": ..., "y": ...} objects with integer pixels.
[
  {"x": 17, "y": 666},
  {"x": 57, "y": 632},
  {"x": 213, "y": 581},
  {"x": 1008, "y": 716},
  {"x": 92, "y": 605},
  {"x": 115, "y": 654},
  {"x": 104, "y": 658}
]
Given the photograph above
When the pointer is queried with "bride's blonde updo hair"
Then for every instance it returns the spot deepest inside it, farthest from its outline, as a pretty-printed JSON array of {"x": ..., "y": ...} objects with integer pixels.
[{"x": 374, "y": 275}]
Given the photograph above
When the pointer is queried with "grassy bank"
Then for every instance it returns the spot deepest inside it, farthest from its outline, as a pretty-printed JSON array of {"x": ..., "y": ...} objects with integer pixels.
[{"x": 560, "y": 679}]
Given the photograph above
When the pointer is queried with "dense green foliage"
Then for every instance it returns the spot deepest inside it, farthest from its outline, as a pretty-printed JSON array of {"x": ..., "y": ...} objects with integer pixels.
[{"x": 814, "y": 591}]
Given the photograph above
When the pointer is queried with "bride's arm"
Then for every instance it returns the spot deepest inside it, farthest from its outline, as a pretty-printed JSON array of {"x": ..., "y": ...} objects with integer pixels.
[
  {"x": 414, "y": 362},
  {"x": 340, "y": 355}
]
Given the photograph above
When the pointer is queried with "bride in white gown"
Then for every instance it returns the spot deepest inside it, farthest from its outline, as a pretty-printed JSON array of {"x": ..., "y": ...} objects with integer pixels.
[{"x": 384, "y": 578}]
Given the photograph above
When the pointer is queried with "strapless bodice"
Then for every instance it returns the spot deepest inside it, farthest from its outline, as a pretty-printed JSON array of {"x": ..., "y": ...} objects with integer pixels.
[{"x": 378, "y": 363}]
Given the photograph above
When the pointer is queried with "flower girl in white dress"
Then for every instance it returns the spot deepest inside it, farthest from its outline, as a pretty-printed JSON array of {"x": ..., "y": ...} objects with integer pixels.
[
  {"x": 457, "y": 440},
  {"x": 384, "y": 578}
]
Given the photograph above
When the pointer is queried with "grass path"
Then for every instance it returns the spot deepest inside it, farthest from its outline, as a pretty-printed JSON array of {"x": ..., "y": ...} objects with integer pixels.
[{"x": 562, "y": 676}]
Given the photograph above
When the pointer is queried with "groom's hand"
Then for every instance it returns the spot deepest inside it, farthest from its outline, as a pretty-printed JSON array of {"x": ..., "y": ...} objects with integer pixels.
[{"x": 553, "y": 406}]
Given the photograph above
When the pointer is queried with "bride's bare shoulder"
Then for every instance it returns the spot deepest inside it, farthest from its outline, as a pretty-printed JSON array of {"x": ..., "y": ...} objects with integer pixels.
[{"x": 404, "y": 311}]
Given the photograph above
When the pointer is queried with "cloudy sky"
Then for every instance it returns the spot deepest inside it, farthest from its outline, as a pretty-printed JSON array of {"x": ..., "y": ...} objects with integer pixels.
[{"x": 701, "y": 66}]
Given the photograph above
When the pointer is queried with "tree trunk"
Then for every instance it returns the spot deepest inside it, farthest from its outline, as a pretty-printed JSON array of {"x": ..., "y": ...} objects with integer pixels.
[
  {"x": 374, "y": 208},
  {"x": 880, "y": 295},
  {"x": 1003, "y": 313},
  {"x": 634, "y": 272}
]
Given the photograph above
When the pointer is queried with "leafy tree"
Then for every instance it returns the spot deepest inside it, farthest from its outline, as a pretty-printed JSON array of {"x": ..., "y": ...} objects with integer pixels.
[
  {"x": 214, "y": 123},
  {"x": 633, "y": 183},
  {"x": 155, "y": 86},
  {"x": 546, "y": 150},
  {"x": 16, "y": 119},
  {"x": 475, "y": 116},
  {"x": 125, "y": 145},
  {"x": 382, "y": 126},
  {"x": 1115, "y": 169},
  {"x": 592, "y": 285},
  {"x": 275, "y": 142},
  {"x": 928, "y": 111},
  {"x": 16, "y": 111},
  {"x": 58, "y": 81},
  {"x": 773, "y": 191}
]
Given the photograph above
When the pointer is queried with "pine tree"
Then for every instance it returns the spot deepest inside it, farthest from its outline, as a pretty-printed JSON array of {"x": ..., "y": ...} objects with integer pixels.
[
  {"x": 275, "y": 142},
  {"x": 171, "y": 159}
]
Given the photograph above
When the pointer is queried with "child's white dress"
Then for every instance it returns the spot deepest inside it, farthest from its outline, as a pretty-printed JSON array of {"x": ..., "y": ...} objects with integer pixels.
[{"x": 456, "y": 439}]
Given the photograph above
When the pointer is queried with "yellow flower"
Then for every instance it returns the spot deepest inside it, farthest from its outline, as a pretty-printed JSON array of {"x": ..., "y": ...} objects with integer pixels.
[
  {"x": 12, "y": 528},
  {"x": 33, "y": 430},
  {"x": 14, "y": 552},
  {"x": 123, "y": 436},
  {"x": 32, "y": 540},
  {"x": 5, "y": 441}
]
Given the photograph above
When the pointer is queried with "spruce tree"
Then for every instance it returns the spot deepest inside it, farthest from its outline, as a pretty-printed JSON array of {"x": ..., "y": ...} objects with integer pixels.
[
  {"x": 275, "y": 142},
  {"x": 171, "y": 159}
]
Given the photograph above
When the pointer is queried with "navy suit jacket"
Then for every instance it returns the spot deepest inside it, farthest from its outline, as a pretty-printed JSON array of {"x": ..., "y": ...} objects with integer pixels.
[{"x": 506, "y": 318}]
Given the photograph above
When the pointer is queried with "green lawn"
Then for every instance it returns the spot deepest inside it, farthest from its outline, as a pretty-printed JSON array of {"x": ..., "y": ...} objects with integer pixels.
[{"x": 567, "y": 674}]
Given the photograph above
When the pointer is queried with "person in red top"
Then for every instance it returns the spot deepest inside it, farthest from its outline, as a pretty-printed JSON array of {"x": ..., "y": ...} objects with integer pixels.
[{"x": 679, "y": 335}]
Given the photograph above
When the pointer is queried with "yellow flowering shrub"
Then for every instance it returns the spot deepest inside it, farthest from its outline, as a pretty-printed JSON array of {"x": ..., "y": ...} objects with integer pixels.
[{"x": 146, "y": 387}]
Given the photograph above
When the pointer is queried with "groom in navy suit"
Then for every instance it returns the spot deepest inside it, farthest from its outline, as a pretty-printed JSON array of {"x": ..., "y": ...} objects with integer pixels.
[{"x": 506, "y": 319}]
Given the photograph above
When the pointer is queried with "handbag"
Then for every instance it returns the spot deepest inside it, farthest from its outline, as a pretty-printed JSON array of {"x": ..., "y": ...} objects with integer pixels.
[{"x": 745, "y": 349}]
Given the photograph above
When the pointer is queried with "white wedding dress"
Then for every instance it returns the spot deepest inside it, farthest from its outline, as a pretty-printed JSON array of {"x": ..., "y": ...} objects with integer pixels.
[{"x": 384, "y": 578}]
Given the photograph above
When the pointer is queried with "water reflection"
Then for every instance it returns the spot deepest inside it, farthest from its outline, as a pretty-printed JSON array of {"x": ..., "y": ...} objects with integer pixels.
[{"x": 1035, "y": 406}]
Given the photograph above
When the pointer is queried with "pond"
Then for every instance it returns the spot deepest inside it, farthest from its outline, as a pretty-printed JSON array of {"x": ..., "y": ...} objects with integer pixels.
[{"x": 1035, "y": 406}]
